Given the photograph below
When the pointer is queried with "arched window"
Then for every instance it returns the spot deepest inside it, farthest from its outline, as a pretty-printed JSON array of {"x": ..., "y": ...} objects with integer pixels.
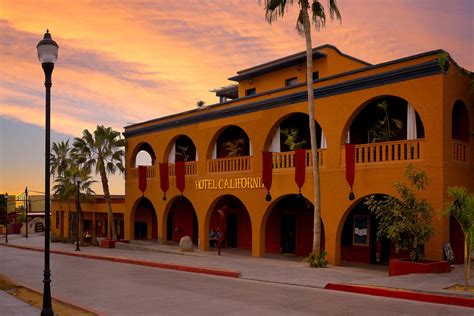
[
  {"x": 460, "y": 122},
  {"x": 386, "y": 119}
]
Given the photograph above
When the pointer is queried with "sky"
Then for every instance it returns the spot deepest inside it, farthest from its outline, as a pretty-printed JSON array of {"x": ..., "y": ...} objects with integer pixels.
[{"x": 124, "y": 62}]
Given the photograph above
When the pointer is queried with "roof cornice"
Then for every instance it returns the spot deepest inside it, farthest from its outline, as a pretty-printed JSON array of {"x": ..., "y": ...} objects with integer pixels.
[{"x": 411, "y": 72}]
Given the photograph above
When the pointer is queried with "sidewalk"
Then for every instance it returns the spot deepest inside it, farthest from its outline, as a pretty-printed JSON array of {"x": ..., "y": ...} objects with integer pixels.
[
  {"x": 11, "y": 305},
  {"x": 363, "y": 279}
]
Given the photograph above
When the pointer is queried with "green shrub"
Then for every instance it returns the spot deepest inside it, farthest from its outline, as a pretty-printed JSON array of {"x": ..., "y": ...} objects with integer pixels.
[{"x": 316, "y": 261}]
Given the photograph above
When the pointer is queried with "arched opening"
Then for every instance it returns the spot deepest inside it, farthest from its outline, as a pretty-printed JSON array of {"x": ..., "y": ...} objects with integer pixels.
[
  {"x": 361, "y": 241},
  {"x": 144, "y": 155},
  {"x": 232, "y": 142},
  {"x": 181, "y": 221},
  {"x": 230, "y": 216},
  {"x": 183, "y": 149},
  {"x": 289, "y": 227},
  {"x": 145, "y": 222},
  {"x": 293, "y": 133},
  {"x": 384, "y": 119},
  {"x": 460, "y": 122}
]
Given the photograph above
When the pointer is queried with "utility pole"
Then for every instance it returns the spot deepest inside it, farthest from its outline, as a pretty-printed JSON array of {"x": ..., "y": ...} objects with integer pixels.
[{"x": 26, "y": 210}]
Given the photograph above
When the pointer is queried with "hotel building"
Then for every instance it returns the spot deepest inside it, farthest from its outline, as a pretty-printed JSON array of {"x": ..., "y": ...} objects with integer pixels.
[{"x": 205, "y": 165}]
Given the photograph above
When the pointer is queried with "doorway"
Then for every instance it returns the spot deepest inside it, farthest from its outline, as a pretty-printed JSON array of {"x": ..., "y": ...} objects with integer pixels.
[
  {"x": 288, "y": 233},
  {"x": 140, "y": 230},
  {"x": 231, "y": 230}
]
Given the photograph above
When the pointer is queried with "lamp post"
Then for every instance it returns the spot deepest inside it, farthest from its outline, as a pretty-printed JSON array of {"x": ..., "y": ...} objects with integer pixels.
[
  {"x": 47, "y": 55},
  {"x": 6, "y": 216},
  {"x": 78, "y": 207},
  {"x": 26, "y": 211}
]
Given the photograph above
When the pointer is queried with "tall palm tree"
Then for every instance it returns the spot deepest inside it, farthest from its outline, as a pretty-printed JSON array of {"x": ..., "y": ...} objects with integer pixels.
[
  {"x": 103, "y": 151},
  {"x": 60, "y": 157},
  {"x": 273, "y": 10},
  {"x": 462, "y": 209}
]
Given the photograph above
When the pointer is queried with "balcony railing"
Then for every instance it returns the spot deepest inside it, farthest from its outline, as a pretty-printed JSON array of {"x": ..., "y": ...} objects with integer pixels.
[
  {"x": 460, "y": 151},
  {"x": 150, "y": 172},
  {"x": 389, "y": 151},
  {"x": 287, "y": 159},
  {"x": 189, "y": 166},
  {"x": 230, "y": 164}
]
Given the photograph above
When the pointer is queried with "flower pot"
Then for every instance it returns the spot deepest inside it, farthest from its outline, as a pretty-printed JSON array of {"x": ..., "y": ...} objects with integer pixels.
[{"x": 405, "y": 266}]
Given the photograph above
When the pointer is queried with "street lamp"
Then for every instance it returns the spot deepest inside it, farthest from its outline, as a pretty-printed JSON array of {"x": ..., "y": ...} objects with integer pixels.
[
  {"x": 78, "y": 207},
  {"x": 6, "y": 216},
  {"x": 47, "y": 55}
]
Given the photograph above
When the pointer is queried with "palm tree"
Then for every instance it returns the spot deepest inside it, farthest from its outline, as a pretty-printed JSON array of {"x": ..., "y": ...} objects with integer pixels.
[
  {"x": 65, "y": 189},
  {"x": 60, "y": 157},
  {"x": 462, "y": 209},
  {"x": 103, "y": 151},
  {"x": 273, "y": 10}
]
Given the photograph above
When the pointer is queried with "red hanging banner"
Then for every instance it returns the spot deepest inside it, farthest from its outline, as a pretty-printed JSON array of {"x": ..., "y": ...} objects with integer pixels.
[
  {"x": 300, "y": 167},
  {"x": 350, "y": 167},
  {"x": 267, "y": 172},
  {"x": 179, "y": 171},
  {"x": 142, "y": 178},
  {"x": 164, "y": 178}
]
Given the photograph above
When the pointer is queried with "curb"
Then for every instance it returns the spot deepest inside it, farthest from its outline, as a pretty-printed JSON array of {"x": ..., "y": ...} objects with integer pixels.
[
  {"x": 403, "y": 294},
  {"x": 160, "y": 265}
]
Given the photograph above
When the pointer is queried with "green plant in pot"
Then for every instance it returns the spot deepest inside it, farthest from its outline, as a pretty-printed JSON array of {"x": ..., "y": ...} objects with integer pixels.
[
  {"x": 405, "y": 220},
  {"x": 292, "y": 139},
  {"x": 386, "y": 128}
]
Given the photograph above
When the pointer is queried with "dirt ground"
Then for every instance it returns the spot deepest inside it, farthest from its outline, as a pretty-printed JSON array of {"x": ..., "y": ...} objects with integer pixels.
[
  {"x": 36, "y": 299},
  {"x": 460, "y": 287}
]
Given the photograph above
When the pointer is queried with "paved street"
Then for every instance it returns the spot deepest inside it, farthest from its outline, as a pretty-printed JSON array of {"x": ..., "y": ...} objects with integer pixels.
[{"x": 123, "y": 289}]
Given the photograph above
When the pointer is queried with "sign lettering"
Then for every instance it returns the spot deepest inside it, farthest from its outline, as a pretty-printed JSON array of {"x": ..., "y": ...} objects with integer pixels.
[{"x": 229, "y": 183}]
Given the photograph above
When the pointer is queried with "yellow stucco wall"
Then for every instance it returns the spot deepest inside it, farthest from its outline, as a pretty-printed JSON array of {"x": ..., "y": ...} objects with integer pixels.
[{"x": 94, "y": 210}]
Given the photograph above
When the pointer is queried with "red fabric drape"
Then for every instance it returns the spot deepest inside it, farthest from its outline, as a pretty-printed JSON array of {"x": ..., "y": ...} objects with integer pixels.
[
  {"x": 179, "y": 171},
  {"x": 267, "y": 169},
  {"x": 142, "y": 178},
  {"x": 300, "y": 167},
  {"x": 164, "y": 177},
  {"x": 350, "y": 164}
]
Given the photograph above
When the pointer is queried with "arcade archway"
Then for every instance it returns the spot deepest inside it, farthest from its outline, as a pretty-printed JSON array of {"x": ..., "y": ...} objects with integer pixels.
[
  {"x": 360, "y": 240},
  {"x": 145, "y": 222},
  {"x": 181, "y": 221},
  {"x": 231, "y": 216},
  {"x": 289, "y": 227}
]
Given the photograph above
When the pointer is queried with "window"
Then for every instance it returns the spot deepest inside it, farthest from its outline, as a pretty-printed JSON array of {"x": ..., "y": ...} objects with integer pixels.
[
  {"x": 291, "y": 81},
  {"x": 315, "y": 75},
  {"x": 250, "y": 92}
]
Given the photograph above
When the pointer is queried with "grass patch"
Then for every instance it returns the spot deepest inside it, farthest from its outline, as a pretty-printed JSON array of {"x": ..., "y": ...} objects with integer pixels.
[{"x": 459, "y": 287}]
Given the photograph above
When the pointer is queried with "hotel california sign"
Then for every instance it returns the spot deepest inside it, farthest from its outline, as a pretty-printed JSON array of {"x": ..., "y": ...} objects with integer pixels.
[{"x": 229, "y": 183}]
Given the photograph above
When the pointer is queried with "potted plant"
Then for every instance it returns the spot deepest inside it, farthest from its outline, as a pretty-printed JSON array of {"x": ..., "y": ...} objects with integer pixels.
[
  {"x": 386, "y": 128},
  {"x": 291, "y": 139},
  {"x": 406, "y": 221}
]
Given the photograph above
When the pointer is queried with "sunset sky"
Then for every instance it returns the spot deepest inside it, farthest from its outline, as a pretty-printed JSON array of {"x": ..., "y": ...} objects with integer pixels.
[{"x": 123, "y": 62}]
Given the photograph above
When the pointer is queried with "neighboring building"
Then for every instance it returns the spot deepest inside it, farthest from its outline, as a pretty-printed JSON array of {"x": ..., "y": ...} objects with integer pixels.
[
  {"x": 10, "y": 210},
  {"x": 94, "y": 216},
  {"x": 432, "y": 117}
]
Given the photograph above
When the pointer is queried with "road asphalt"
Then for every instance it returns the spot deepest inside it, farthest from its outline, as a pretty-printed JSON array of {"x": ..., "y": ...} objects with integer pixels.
[{"x": 364, "y": 279}]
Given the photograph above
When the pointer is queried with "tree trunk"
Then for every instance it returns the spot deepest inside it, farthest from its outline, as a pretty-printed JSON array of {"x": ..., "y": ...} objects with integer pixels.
[
  {"x": 467, "y": 263},
  {"x": 79, "y": 218},
  {"x": 312, "y": 129},
  {"x": 110, "y": 217}
]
